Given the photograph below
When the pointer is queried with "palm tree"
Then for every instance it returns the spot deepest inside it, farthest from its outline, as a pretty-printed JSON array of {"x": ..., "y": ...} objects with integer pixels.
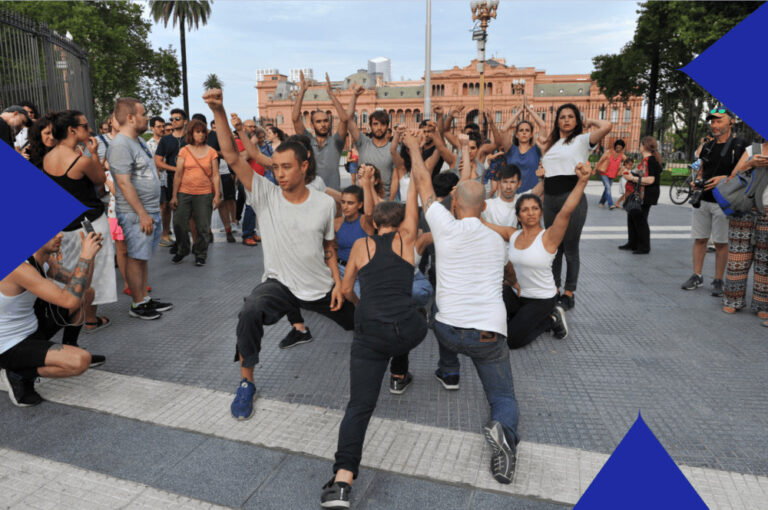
[
  {"x": 212, "y": 82},
  {"x": 192, "y": 12}
]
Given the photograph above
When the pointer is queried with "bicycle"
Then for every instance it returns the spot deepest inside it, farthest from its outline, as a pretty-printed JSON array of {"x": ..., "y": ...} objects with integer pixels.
[{"x": 681, "y": 188}]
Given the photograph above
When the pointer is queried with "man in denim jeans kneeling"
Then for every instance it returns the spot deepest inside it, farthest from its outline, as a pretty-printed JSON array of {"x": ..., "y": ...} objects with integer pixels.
[{"x": 471, "y": 317}]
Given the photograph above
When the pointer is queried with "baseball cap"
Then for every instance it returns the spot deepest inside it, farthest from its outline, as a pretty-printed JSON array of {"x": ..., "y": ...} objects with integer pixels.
[
  {"x": 718, "y": 112},
  {"x": 18, "y": 109}
]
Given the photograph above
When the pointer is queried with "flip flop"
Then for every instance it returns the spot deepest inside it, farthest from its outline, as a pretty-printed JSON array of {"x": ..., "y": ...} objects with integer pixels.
[{"x": 101, "y": 323}]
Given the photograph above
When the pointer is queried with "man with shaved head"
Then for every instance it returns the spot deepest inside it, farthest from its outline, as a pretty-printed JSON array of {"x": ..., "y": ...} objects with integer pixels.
[{"x": 471, "y": 317}]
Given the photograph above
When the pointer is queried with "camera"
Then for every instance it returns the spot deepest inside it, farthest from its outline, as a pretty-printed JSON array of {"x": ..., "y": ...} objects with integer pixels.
[{"x": 698, "y": 189}]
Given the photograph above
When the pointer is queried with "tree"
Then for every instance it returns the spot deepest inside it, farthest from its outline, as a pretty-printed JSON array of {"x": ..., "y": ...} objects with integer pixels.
[
  {"x": 668, "y": 36},
  {"x": 189, "y": 12},
  {"x": 212, "y": 82},
  {"x": 115, "y": 37}
]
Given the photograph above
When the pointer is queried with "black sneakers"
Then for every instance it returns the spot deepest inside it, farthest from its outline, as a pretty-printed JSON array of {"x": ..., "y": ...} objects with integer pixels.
[
  {"x": 717, "y": 288},
  {"x": 503, "y": 455},
  {"x": 295, "y": 337},
  {"x": 159, "y": 305},
  {"x": 144, "y": 311},
  {"x": 449, "y": 382},
  {"x": 21, "y": 391},
  {"x": 398, "y": 385},
  {"x": 199, "y": 261},
  {"x": 559, "y": 325},
  {"x": 97, "y": 360},
  {"x": 692, "y": 283},
  {"x": 177, "y": 258},
  {"x": 566, "y": 302},
  {"x": 335, "y": 495}
]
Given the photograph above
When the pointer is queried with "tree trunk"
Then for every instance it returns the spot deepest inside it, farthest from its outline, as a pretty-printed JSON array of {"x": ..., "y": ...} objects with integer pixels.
[
  {"x": 653, "y": 82},
  {"x": 691, "y": 143},
  {"x": 185, "y": 88}
]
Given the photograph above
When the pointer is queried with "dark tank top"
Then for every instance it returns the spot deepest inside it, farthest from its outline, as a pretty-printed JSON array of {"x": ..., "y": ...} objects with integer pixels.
[
  {"x": 84, "y": 191},
  {"x": 386, "y": 283}
]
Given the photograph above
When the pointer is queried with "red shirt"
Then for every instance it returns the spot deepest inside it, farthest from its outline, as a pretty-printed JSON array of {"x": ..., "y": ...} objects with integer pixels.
[{"x": 256, "y": 167}]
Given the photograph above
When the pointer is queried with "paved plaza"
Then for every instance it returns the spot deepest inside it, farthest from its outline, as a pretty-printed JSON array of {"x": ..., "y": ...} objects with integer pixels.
[{"x": 151, "y": 428}]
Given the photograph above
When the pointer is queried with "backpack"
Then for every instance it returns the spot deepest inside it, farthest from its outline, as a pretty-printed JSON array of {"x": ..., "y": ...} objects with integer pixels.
[{"x": 736, "y": 196}]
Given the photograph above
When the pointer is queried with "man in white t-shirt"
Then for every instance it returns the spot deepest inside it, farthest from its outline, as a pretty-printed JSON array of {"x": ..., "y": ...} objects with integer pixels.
[
  {"x": 471, "y": 317},
  {"x": 501, "y": 210},
  {"x": 300, "y": 261}
]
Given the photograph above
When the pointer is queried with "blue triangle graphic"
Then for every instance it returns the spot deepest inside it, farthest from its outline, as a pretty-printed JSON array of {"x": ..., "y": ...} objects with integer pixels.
[
  {"x": 33, "y": 209},
  {"x": 640, "y": 474},
  {"x": 730, "y": 71}
]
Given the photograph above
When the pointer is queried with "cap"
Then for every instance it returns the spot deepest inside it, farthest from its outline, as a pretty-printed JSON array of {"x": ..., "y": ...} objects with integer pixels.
[
  {"x": 18, "y": 109},
  {"x": 718, "y": 112}
]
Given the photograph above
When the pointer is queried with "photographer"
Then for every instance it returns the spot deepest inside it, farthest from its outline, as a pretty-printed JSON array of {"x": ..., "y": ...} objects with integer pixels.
[{"x": 719, "y": 155}]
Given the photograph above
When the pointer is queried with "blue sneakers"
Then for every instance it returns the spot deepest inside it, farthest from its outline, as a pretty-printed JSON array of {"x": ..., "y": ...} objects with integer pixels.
[{"x": 242, "y": 406}]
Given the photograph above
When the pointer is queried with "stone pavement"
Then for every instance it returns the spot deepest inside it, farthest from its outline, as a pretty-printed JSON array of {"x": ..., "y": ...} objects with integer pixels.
[{"x": 155, "y": 416}]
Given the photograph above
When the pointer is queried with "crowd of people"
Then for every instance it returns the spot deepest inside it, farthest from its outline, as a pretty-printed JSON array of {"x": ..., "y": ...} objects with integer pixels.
[{"x": 387, "y": 258}]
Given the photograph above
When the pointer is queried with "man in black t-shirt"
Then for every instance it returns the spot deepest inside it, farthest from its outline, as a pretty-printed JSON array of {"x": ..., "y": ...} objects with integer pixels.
[
  {"x": 719, "y": 155},
  {"x": 165, "y": 159}
]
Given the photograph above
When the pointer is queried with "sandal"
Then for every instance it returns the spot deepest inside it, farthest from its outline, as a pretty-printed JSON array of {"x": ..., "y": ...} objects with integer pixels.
[
  {"x": 729, "y": 309},
  {"x": 250, "y": 241},
  {"x": 762, "y": 315},
  {"x": 101, "y": 323},
  {"x": 127, "y": 291}
]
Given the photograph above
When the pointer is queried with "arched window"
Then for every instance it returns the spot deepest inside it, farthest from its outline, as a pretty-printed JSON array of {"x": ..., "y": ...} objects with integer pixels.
[
  {"x": 365, "y": 117},
  {"x": 416, "y": 116},
  {"x": 471, "y": 89},
  {"x": 464, "y": 89},
  {"x": 615, "y": 115},
  {"x": 279, "y": 119},
  {"x": 401, "y": 118},
  {"x": 627, "y": 115}
]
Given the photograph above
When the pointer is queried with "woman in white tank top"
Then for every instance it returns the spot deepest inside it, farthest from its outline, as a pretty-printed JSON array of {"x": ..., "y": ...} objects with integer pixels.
[{"x": 531, "y": 252}]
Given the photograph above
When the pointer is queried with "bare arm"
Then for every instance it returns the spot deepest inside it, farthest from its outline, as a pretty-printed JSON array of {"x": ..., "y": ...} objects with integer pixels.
[
  {"x": 498, "y": 139},
  {"x": 409, "y": 229},
  {"x": 445, "y": 153},
  {"x": 397, "y": 159},
  {"x": 343, "y": 117},
  {"x": 350, "y": 272},
  {"x": 450, "y": 137},
  {"x": 365, "y": 175},
  {"x": 505, "y": 232},
  {"x": 553, "y": 236},
  {"x": 250, "y": 148},
  {"x": 332, "y": 261},
  {"x": 603, "y": 127},
  {"x": 541, "y": 127},
  {"x": 123, "y": 181},
  {"x": 298, "y": 123},
  {"x": 351, "y": 124},
  {"x": 466, "y": 164},
  {"x": 394, "y": 186},
  {"x": 240, "y": 167},
  {"x": 421, "y": 178}
]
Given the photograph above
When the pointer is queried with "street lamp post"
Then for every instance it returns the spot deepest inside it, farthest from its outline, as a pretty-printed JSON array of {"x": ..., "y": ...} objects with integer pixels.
[{"x": 482, "y": 10}]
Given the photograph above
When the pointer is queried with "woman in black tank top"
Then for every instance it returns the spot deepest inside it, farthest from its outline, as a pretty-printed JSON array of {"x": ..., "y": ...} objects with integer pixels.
[{"x": 386, "y": 325}]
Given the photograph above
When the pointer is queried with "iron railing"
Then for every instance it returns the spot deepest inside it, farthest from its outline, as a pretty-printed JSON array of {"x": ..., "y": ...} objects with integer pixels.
[{"x": 39, "y": 65}]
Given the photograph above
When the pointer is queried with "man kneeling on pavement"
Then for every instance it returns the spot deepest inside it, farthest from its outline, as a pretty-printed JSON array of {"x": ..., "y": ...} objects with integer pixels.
[{"x": 33, "y": 308}]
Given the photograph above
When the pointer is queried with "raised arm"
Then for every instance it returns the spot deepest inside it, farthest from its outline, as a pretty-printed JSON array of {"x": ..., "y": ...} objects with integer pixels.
[
  {"x": 370, "y": 198},
  {"x": 420, "y": 177},
  {"x": 92, "y": 166},
  {"x": 397, "y": 159},
  {"x": 602, "y": 128},
  {"x": 241, "y": 168},
  {"x": 447, "y": 154},
  {"x": 450, "y": 137},
  {"x": 410, "y": 226},
  {"x": 553, "y": 236},
  {"x": 541, "y": 127},
  {"x": 342, "y": 113},
  {"x": 354, "y": 132},
  {"x": 298, "y": 122},
  {"x": 498, "y": 139},
  {"x": 466, "y": 164}
]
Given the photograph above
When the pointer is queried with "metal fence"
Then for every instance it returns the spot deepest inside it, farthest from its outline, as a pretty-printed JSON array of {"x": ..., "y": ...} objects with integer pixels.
[{"x": 39, "y": 65}]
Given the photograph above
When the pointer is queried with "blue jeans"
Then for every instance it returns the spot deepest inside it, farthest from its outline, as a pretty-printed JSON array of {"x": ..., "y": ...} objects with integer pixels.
[
  {"x": 422, "y": 290},
  {"x": 607, "y": 182},
  {"x": 249, "y": 222},
  {"x": 491, "y": 359},
  {"x": 342, "y": 270}
]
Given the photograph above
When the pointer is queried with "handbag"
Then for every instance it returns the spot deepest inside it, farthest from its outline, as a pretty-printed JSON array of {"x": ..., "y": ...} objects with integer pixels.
[
  {"x": 634, "y": 201},
  {"x": 736, "y": 196}
]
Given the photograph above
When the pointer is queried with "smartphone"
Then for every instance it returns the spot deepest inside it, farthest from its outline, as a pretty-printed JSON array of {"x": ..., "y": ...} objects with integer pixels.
[{"x": 87, "y": 226}]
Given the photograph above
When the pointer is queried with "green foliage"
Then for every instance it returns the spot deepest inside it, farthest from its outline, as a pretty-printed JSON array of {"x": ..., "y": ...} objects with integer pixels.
[
  {"x": 115, "y": 36},
  {"x": 667, "y": 37},
  {"x": 212, "y": 82}
]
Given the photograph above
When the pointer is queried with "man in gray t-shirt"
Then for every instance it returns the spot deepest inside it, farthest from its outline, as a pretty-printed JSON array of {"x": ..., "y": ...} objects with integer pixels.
[
  {"x": 373, "y": 149},
  {"x": 300, "y": 260},
  {"x": 137, "y": 203},
  {"x": 327, "y": 148}
]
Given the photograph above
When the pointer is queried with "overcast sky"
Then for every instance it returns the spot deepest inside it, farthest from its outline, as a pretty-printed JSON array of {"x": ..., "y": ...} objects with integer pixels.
[{"x": 339, "y": 37}]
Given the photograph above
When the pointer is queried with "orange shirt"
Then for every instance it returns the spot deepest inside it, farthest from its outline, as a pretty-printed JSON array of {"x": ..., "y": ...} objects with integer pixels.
[{"x": 196, "y": 180}]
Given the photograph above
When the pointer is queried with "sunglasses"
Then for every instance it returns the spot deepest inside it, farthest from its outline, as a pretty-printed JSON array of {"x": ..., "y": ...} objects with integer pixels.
[
  {"x": 83, "y": 125},
  {"x": 176, "y": 118},
  {"x": 718, "y": 110}
]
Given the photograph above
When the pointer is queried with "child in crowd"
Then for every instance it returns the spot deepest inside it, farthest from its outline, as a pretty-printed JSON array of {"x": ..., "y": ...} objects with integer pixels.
[{"x": 623, "y": 184}]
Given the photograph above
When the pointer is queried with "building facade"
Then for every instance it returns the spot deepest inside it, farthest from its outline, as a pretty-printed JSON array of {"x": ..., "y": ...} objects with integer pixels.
[{"x": 505, "y": 88}]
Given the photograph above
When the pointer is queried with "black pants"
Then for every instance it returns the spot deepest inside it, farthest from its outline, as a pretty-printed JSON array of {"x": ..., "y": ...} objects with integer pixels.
[
  {"x": 527, "y": 318},
  {"x": 374, "y": 343},
  {"x": 267, "y": 304},
  {"x": 638, "y": 231},
  {"x": 570, "y": 244},
  {"x": 240, "y": 202}
]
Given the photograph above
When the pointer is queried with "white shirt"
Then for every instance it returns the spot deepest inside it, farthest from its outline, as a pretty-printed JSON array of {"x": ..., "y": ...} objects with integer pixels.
[
  {"x": 468, "y": 294},
  {"x": 21, "y": 140},
  {"x": 533, "y": 267},
  {"x": 292, "y": 237},
  {"x": 499, "y": 212},
  {"x": 561, "y": 159}
]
